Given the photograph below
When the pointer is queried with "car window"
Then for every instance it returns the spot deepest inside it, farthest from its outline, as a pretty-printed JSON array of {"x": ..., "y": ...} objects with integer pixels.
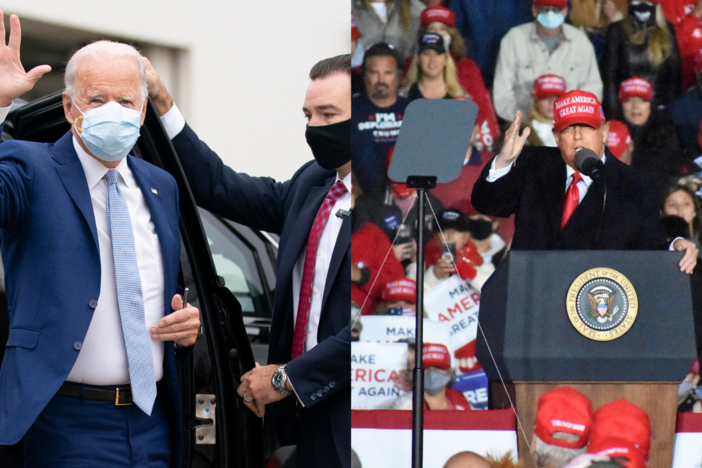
[{"x": 235, "y": 261}]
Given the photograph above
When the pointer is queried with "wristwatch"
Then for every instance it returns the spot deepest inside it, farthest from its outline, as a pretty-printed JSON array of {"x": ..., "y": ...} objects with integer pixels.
[{"x": 280, "y": 377}]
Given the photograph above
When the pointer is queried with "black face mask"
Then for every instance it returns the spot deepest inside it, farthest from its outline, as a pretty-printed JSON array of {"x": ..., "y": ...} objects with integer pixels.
[
  {"x": 643, "y": 13},
  {"x": 480, "y": 229},
  {"x": 331, "y": 144}
]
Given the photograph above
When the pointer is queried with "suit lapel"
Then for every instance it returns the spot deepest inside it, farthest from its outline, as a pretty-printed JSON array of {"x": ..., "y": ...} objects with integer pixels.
[
  {"x": 301, "y": 229},
  {"x": 156, "y": 209},
  {"x": 553, "y": 181},
  {"x": 72, "y": 175}
]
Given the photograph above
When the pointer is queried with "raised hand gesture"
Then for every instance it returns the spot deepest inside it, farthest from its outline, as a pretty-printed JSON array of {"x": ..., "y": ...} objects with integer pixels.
[
  {"x": 15, "y": 81},
  {"x": 513, "y": 144}
]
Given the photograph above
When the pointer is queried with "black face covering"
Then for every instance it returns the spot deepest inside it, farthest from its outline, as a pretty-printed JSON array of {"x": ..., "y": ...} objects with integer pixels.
[
  {"x": 643, "y": 13},
  {"x": 331, "y": 144},
  {"x": 480, "y": 229}
]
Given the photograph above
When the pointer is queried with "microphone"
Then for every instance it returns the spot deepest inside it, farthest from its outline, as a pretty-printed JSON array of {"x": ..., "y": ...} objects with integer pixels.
[{"x": 588, "y": 163}]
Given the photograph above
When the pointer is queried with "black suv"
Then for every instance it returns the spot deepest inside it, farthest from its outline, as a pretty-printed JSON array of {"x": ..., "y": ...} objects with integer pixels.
[{"x": 230, "y": 272}]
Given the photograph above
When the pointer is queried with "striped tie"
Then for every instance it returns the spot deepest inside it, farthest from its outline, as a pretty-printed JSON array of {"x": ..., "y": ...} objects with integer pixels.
[{"x": 130, "y": 297}]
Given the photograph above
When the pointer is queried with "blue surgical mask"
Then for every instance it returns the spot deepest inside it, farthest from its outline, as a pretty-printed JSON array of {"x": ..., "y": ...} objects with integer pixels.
[
  {"x": 550, "y": 19},
  {"x": 109, "y": 131}
]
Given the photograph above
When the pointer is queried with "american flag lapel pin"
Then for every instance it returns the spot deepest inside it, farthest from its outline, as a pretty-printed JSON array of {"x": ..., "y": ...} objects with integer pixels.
[{"x": 154, "y": 191}]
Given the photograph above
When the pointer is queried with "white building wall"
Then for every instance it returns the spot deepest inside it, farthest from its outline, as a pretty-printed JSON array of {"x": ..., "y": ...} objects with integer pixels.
[{"x": 243, "y": 69}]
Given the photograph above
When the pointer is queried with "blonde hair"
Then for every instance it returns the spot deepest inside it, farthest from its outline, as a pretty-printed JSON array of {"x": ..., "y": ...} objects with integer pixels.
[
  {"x": 414, "y": 75},
  {"x": 405, "y": 12},
  {"x": 659, "y": 39}
]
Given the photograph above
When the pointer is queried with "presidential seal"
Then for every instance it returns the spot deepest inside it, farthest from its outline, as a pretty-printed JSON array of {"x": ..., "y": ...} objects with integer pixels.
[{"x": 602, "y": 304}]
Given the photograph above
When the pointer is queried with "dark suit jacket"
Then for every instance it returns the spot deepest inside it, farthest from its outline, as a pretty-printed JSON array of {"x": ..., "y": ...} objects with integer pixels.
[
  {"x": 534, "y": 189},
  {"x": 321, "y": 376},
  {"x": 52, "y": 265}
]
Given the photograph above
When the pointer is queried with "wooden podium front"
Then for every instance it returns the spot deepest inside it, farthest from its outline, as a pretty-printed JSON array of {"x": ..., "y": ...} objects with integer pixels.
[
  {"x": 658, "y": 399},
  {"x": 530, "y": 340}
]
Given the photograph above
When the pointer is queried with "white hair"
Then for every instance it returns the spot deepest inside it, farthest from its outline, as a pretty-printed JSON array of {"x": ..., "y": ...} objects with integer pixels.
[
  {"x": 107, "y": 50},
  {"x": 552, "y": 456}
]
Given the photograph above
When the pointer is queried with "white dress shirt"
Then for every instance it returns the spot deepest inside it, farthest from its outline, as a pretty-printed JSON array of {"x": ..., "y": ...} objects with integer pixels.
[
  {"x": 173, "y": 122},
  {"x": 103, "y": 356}
]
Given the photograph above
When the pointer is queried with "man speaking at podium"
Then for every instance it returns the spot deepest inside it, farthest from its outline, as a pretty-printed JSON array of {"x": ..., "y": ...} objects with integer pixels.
[{"x": 559, "y": 208}]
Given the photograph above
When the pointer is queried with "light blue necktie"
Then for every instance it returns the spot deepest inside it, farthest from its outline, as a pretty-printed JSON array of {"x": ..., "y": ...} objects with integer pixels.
[{"x": 130, "y": 297}]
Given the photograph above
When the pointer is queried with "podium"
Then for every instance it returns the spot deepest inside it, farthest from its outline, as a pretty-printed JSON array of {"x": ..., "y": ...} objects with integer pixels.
[{"x": 554, "y": 318}]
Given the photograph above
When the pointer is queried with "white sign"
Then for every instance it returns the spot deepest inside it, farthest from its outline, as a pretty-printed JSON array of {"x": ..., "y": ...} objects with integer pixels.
[
  {"x": 372, "y": 367},
  {"x": 386, "y": 328},
  {"x": 452, "y": 303}
]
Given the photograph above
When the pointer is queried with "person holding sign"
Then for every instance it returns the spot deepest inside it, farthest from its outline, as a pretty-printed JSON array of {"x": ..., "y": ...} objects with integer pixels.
[{"x": 559, "y": 208}]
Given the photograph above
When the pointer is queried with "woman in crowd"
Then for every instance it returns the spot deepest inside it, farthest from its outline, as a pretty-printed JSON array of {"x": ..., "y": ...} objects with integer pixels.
[
  {"x": 442, "y": 21},
  {"x": 641, "y": 45},
  {"x": 656, "y": 143},
  {"x": 680, "y": 201},
  {"x": 547, "y": 88},
  {"x": 395, "y": 22},
  {"x": 433, "y": 72},
  {"x": 593, "y": 17}
]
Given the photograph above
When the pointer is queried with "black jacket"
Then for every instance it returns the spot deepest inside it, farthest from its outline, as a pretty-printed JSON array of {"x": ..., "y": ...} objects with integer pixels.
[
  {"x": 622, "y": 59},
  {"x": 657, "y": 146},
  {"x": 535, "y": 190}
]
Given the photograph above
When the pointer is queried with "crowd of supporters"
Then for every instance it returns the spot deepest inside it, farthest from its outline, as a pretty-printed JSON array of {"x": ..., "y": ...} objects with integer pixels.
[{"x": 642, "y": 58}]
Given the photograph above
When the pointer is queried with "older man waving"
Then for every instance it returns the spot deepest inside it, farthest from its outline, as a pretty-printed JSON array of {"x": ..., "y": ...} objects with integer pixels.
[{"x": 91, "y": 246}]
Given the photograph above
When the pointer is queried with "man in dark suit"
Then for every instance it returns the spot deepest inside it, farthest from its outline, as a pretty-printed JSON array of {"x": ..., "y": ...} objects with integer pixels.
[
  {"x": 305, "y": 389},
  {"x": 557, "y": 207},
  {"x": 91, "y": 248}
]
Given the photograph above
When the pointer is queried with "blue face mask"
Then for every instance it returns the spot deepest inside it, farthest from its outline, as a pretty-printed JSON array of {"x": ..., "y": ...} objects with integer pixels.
[
  {"x": 550, "y": 19},
  {"x": 109, "y": 131}
]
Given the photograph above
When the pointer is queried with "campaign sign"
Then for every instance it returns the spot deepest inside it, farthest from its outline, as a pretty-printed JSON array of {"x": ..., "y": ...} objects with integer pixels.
[
  {"x": 392, "y": 328},
  {"x": 383, "y": 439},
  {"x": 457, "y": 305},
  {"x": 474, "y": 387},
  {"x": 372, "y": 367}
]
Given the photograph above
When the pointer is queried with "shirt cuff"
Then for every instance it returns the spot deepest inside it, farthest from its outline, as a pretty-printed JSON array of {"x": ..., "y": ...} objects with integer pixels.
[
  {"x": 295, "y": 391},
  {"x": 3, "y": 112},
  {"x": 497, "y": 173},
  {"x": 669, "y": 248},
  {"x": 173, "y": 122}
]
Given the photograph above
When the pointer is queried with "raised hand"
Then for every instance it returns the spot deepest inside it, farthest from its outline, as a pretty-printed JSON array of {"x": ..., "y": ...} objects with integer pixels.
[
  {"x": 15, "y": 81},
  {"x": 157, "y": 91},
  {"x": 513, "y": 143}
]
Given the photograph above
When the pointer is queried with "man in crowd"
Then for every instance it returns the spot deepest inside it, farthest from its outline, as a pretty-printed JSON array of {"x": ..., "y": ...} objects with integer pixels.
[
  {"x": 305, "y": 390},
  {"x": 622, "y": 423},
  {"x": 92, "y": 252},
  {"x": 557, "y": 207},
  {"x": 483, "y": 24},
  {"x": 376, "y": 116},
  {"x": 544, "y": 46},
  {"x": 562, "y": 427}
]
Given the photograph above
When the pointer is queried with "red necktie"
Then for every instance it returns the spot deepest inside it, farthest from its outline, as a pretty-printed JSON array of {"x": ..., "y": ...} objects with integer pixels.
[
  {"x": 572, "y": 199},
  {"x": 303, "y": 310}
]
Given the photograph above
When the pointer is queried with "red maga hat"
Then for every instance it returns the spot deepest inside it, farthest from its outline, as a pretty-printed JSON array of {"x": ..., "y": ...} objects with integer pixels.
[
  {"x": 577, "y": 107},
  {"x": 618, "y": 138},
  {"x": 618, "y": 448},
  {"x": 548, "y": 85},
  {"x": 561, "y": 4},
  {"x": 635, "y": 87},
  {"x": 400, "y": 290},
  {"x": 438, "y": 13},
  {"x": 436, "y": 355},
  {"x": 564, "y": 410},
  {"x": 621, "y": 419}
]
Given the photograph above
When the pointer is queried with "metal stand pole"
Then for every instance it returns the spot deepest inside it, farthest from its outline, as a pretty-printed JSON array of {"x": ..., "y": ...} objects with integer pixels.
[{"x": 418, "y": 373}]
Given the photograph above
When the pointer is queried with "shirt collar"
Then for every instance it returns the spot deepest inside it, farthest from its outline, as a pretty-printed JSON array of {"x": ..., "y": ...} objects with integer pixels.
[
  {"x": 346, "y": 181},
  {"x": 95, "y": 170},
  {"x": 570, "y": 171},
  {"x": 562, "y": 36}
]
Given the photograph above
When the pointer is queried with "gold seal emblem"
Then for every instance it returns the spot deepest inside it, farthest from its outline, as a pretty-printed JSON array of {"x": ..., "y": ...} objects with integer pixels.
[{"x": 602, "y": 304}]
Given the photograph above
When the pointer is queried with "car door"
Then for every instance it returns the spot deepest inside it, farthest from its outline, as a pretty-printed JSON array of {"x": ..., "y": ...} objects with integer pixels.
[{"x": 219, "y": 432}]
